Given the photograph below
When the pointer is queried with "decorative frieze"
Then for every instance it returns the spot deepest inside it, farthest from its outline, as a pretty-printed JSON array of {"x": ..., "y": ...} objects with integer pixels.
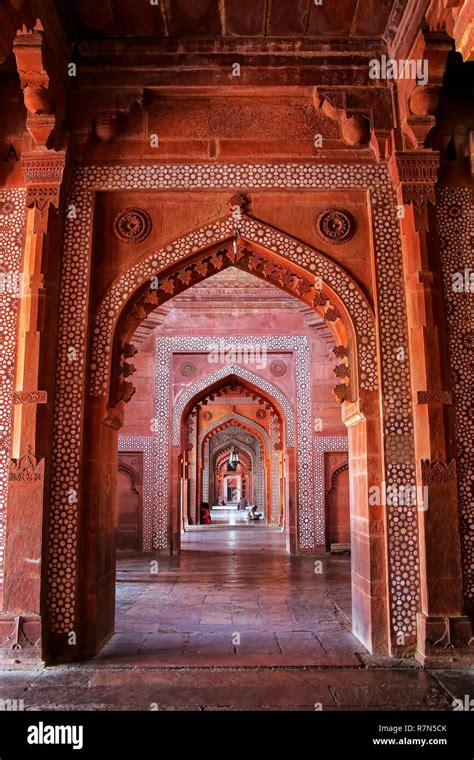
[
  {"x": 435, "y": 397},
  {"x": 418, "y": 174},
  {"x": 438, "y": 471},
  {"x": 30, "y": 397}
]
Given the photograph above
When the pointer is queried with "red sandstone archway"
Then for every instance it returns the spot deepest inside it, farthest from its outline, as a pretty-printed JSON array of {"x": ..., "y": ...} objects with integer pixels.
[
  {"x": 369, "y": 585},
  {"x": 252, "y": 427}
]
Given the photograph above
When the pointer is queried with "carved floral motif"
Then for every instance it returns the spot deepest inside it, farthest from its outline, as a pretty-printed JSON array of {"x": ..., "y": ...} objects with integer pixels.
[
  {"x": 334, "y": 225},
  {"x": 133, "y": 225}
]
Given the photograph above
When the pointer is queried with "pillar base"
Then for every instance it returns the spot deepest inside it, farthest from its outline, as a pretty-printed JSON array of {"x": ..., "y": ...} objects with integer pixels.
[
  {"x": 20, "y": 641},
  {"x": 444, "y": 641}
]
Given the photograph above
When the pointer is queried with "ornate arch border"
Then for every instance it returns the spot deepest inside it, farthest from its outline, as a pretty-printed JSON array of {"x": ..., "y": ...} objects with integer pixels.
[
  {"x": 262, "y": 235},
  {"x": 187, "y": 394},
  {"x": 301, "y": 437},
  {"x": 144, "y": 445},
  {"x": 376, "y": 181},
  {"x": 323, "y": 444}
]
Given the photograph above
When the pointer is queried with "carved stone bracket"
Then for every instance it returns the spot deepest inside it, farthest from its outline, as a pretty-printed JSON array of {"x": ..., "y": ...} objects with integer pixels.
[
  {"x": 44, "y": 88},
  {"x": 418, "y": 174},
  {"x": 355, "y": 123},
  {"x": 43, "y": 176},
  {"x": 26, "y": 467}
]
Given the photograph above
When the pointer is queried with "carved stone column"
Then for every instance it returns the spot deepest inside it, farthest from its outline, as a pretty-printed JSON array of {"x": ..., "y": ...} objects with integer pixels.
[
  {"x": 441, "y": 625},
  {"x": 25, "y": 554},
  {"x": 370, "y": 614}
]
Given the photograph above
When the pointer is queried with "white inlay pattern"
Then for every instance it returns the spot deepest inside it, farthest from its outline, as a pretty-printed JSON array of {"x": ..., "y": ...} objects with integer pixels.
[
  {"x": 12, "y": 220},
  {"x": 143, "y": 444},
  {"x": 455, "y": 213}
]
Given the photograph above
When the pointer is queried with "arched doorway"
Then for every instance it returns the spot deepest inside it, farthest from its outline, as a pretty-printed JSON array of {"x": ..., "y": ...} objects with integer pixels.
[
  {"x": 256, "y": 426},
  {"x": 352, "y": 326}
]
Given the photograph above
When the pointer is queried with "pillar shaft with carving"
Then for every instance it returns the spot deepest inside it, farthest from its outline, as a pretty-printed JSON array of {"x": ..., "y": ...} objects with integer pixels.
[{"x": 440, "y": 621}]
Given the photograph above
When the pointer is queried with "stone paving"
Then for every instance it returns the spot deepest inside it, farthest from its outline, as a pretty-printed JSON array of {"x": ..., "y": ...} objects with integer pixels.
[{"x": 235, "y": 623}]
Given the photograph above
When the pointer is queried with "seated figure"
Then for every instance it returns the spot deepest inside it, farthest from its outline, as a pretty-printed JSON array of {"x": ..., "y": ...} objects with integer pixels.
[
  {"x": 252, "y": 514},
  {"x": 205, "y": 513}
]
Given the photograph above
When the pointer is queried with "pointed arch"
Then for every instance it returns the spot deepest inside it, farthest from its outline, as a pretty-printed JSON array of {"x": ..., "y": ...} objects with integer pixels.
[
  {"x": 190, "y": 393},
  {"x": 347, "y": 301}
]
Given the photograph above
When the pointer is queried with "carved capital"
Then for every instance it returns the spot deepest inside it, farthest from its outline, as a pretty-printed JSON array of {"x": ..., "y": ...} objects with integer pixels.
[
  {"x": 43, "y": 176},
  {"x": 418, "y": 174}
]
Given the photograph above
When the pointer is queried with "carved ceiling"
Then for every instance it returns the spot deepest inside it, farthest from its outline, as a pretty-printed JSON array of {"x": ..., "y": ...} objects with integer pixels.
[{"x": 228, "y": 18}]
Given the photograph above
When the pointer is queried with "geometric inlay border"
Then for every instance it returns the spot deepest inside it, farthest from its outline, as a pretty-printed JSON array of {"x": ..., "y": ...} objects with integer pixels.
[
  {"x": 323, "y": 444},
  {"x": 73, "y": 315},
  {"x": 455, "y": 223},
  {"x": 144, "y": 445},
  {"x": 12, "y": 221},
  {"x": 299, "y": 344}
]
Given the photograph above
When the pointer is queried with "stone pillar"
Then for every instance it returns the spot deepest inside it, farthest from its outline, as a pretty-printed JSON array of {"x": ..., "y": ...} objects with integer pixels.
[
  {"x": 291, "y": 505},
  {"x": 33, "y": 399},
  {"x": 176, "y": 468},
  {"x": 368, "y": 524},
  {"x": 97, "y": 531},
  {"x": 441, "y": 624}
]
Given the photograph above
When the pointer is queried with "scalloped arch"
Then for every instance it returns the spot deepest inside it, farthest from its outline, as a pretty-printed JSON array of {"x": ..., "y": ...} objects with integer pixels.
[
  {"x": 193, "y": 390},
  {"x": 332, "y": 276}
]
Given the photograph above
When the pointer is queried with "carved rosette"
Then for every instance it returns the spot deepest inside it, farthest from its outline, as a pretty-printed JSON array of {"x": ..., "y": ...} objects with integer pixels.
[
  {"x": 133, "y": 225},
  {"x": 187, "y": 369},
  {"x": 278, "y": 368},
  {"x": 335, "y": 226}
]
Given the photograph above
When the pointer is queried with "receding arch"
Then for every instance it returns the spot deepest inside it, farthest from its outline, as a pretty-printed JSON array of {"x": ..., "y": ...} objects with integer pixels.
[
  {"x": 188, "y": 396},
  {"x": 255, "y": 457}
]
